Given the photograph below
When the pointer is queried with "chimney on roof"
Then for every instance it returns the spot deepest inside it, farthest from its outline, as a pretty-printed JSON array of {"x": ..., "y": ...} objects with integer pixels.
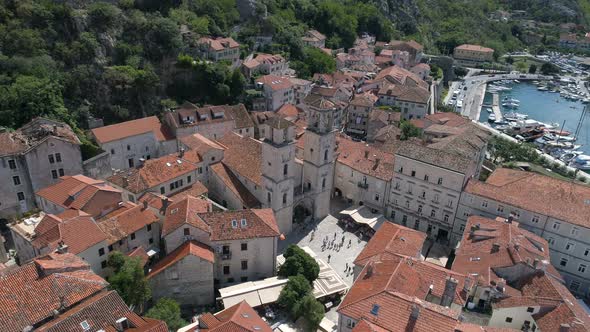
[
  {"x": 564, "y": 327},
  {"x": 536, "y": 263},
  {"x": 55, "y": 129},
  {"x": 165, "y": 202},
  {"x": 122, "y": 324},
  {"x": 448, "y": 295},
  {"x": 495, "y": 247},
  {"x": 510, "y": 219},
  {"x": 516, "y": 246},
  {"x": 415, "y": 312},
  {"x": 467, "y": 284},
  {"x": 366, "y": 154},
  {"x": 369, "y": 271},
  {"x": 500, "y": 285},
  {"x": 145, "y": 205},
  {"x": 181, "y": 153},
  {"x": 141, "y": 162},
  {"x": 62, "y": 248}
]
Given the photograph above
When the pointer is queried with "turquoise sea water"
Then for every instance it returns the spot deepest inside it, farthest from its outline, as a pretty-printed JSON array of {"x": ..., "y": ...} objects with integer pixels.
[{"x": 547, "y": 107}]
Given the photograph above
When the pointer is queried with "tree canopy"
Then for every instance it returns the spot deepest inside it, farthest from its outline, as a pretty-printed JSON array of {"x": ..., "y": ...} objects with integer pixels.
[
  {"x": 168, "y": 310},
  {"x": 298, "y": 262},
  {"x": 128, "y": 278}
]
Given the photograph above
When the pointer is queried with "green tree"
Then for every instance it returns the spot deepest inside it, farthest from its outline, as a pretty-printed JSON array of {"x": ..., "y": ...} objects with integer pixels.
[
  {"x": 29, "y": 97},
  {"x": 548, "y": 69},
  {"x": 103, "y": 16},
  {"x": 409, "y": 130},
  {"x": 503, "y": 151},
  {"x": 297, "y": 261},
  {"x": 532, "y": 68},
  {"x": 311, "y": 310},
  {"x": 314, "y": 61},
  {"x": 521, "y": 66},
  {"x": 168, "y": 310},
  {"x": 129, "y": 280},
  {"x": 295, "y": 289}
]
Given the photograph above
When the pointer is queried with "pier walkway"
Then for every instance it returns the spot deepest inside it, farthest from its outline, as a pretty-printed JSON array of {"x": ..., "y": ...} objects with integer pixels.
[{"x": 496, "y": 106}]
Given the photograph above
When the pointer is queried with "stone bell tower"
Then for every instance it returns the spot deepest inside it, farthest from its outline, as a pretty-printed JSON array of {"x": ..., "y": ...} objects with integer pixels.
[
  {"x": 318, "y": 156},
  {"x": 278, "y": 162}
]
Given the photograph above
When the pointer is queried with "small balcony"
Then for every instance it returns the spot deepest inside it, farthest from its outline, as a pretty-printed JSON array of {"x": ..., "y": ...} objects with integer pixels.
[
  {"x": 225, "y": 256},
  {"x": 363, "y": 185}
]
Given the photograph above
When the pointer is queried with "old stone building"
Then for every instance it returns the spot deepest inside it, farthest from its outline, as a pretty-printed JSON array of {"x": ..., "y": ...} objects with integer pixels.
[
  {"x": 33, "y": 157},
  {"x": 132, "y": 142}
]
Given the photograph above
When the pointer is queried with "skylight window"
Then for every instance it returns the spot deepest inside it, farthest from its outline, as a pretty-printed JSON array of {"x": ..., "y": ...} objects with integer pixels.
[
  {"x": 85, "y": 325},
  {"x": 375, "y": 309}
]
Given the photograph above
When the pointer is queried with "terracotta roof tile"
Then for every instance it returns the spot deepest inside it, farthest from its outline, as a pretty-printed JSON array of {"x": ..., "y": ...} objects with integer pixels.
[
  {"x": 219, "y": 44},
  {"x": 196, "y": 190},
  {"x": 434, "y": 156},
  {"x": 474, "y": 48},
  {"x": 237, "y": 318},
  {"x": 365, "y": 159},
  {"x": 76, "y": 192},
  {"x": 258, "y": 223},
  {"x": 192, "y": 247},
  {"x": 478, "y": 252},
  {"x": 30, "y": 294},
  {"x": 399, "y": 75},
  {"x": 132, "y": 128},
  {"x": 34, "y": 133},
  {"x": 185, "y": 211},
  {"x": 79, "y": 233},
  {"x": 393, "y": 239},
  {"x": 232, "y": 183},
  {"x": 364, "y": 100},
  {"x": 562, "y": 200},
  {"x": 101, "y": 312},
  {"x": 200, "y": 144},
  {"x": 559, "y": 305},
  {"x": 405, "y": 275},
  {"x": 153, "y": 173},
  {"x": 125, "y": 221},
  {"x": 406, "y": 93},
  {"x": 243, "y": 155},
  {"x": 140, "y": 253},
  {"x": 275, "y": 82}
]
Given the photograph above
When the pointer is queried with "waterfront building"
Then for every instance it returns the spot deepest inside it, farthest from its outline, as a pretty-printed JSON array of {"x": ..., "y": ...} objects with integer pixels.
[
  {"x": 413, "y": 102},
  {"x": 472, "y": 55},
  {"x": 429, "y": 178}
]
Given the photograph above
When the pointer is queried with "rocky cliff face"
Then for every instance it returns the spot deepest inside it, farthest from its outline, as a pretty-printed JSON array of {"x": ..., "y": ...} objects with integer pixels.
[{"x": 404, "y": 13}]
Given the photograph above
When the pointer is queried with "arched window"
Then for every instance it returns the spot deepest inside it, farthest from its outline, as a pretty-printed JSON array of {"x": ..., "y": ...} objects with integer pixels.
[
  {"x": 268, "y": 198},
  {"x": 285, "y": 198},
  {"x": 326, "y": 155},
  {"x": 324, "y": 183},
  {"x": 285, "y": 169}
]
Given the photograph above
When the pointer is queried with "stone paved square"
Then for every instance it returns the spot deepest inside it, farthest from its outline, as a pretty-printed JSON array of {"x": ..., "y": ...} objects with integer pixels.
[{"x": 327, "y": 227}]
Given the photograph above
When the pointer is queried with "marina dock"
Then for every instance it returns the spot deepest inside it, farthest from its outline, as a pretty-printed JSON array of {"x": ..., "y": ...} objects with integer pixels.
[{"x": 496, "y": 107}]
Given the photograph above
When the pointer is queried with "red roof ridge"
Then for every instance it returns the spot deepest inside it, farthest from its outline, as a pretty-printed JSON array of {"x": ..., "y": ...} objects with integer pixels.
[{"x": 191, "y": 247}]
